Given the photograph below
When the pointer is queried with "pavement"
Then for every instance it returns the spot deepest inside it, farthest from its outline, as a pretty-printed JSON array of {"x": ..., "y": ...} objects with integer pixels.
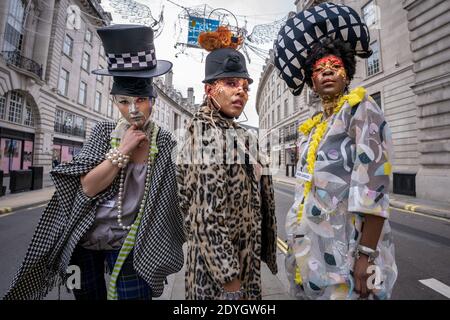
[{"x": 274, "y": 287}]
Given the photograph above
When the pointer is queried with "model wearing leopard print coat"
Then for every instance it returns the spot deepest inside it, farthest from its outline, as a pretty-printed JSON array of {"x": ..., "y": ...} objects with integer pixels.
[{"x": 229, "y": 212}]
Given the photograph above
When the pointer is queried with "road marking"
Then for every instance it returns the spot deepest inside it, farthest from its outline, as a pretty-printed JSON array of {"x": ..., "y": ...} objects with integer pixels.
[
  {"x": 282, "y": 245},
  {"x": 285, "y": 183},
  {"x": 420, "y": 214},
  {"x": 11, "y": 212},
  {"x": 437, "y": 286},
  {"x": 5, "y": 210}
]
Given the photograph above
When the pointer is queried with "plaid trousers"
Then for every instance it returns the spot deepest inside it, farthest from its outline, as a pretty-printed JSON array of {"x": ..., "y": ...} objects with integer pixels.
[{"x": 93, "y": 285}]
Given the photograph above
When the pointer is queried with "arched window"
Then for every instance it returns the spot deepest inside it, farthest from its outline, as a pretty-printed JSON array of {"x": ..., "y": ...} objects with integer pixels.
[{"x": 15, "y": 108}]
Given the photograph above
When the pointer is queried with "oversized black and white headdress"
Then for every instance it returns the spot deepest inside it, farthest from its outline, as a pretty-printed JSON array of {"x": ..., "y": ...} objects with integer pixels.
[{"x": 297, "y": 37}]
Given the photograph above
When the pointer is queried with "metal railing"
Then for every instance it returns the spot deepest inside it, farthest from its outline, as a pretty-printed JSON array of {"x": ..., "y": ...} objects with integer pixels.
[
  {"x": 74, "y": 131},
  {"x": 16, "y": 59}
]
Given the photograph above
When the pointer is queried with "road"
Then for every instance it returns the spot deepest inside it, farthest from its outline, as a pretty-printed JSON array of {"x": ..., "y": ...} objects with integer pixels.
[{"x": 422, "y": 248}]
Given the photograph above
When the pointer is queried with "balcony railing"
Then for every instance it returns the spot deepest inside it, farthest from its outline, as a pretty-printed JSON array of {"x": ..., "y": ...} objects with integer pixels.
[
  {"x": 16, "y": 59},
  {"x": 74, "y": 131}
]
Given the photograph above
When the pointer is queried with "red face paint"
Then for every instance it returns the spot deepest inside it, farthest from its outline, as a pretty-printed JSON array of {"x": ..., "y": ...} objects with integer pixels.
[{"x": 331, "y": 63}]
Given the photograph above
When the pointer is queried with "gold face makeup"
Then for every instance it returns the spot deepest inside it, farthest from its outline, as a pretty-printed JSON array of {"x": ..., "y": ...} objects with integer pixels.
[
  {"x": 329, "y": 63},
  {"x": 231, "y": 83},
  {"x": 230, "y": 95},
  {"x": 329, "y": 81}
]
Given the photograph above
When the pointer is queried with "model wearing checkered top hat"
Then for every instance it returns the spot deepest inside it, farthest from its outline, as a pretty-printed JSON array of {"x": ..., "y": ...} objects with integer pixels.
[
  {"x": 339, "y": 238},
  {"x": 116, "y": 202},
  {"x": 227, "y": 204}
]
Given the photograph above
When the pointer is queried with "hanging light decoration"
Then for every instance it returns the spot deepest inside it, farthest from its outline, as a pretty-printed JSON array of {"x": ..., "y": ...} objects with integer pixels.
[
  {"x": 200, "y": 18},
  {"x": 138, "y": 13}
]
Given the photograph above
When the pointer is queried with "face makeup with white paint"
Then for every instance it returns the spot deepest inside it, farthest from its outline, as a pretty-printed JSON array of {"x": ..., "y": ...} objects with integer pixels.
[{"x": 135, "y": 109}]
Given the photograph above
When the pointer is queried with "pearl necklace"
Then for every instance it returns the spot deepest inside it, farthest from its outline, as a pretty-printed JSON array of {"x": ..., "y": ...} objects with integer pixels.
[{"x": 147, "y": 184}]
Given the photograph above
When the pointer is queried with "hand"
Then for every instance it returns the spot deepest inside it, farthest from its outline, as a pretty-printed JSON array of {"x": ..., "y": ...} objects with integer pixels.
[
  {"x": 360, "y": 273},
  {"x": 234, "y": 285},
  {"x": 131, "y": 140}
]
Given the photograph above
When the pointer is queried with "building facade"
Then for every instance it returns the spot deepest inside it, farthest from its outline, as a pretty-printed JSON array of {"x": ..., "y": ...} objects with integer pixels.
[
  {"x": 49, "y": 100},
  {"x": 408, "y": 77},
  {"x": 429, "y": 35},
  {"x": 172, "y": 110}
]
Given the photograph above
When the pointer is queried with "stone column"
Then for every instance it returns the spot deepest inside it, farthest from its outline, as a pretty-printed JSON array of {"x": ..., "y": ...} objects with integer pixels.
[{"x": 430, "y": 44}]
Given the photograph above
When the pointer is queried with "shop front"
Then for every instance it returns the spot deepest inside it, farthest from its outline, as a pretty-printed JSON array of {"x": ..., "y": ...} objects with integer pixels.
[
  {"x": 16, "y": 150},
  {"x": 291, "y": 159},
  {"x": 64, "y": 150}
]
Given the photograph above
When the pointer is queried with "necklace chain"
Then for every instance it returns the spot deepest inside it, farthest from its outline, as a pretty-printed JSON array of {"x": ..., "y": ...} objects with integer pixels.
[{"x": 150, "y": 133}]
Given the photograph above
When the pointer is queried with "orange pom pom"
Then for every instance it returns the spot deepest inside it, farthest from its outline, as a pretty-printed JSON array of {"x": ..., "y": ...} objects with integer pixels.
[{"x": 221, "y": 38}]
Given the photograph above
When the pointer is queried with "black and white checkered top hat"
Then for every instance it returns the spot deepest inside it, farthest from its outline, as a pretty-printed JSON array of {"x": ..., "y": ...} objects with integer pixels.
[
  {"x": 308, "y": 27},
  {"x": 130, "y": 52}
]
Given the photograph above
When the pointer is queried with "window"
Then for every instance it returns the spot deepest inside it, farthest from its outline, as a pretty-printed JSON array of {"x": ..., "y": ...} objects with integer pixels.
[
  {"x": 82, "y": 93},
  {"x": 286, "y": 107},
  {"x": 86, "y": 61},
  {"x": 88, "y": 36},
  {"x": 278, "y": 112},
  {"x": 273, "y": 117},
  {"x": 68, "y": 120},
  {"x": 373, "y": 62},
  {"x": 63, "y": 82},
  {"x": 100, "y": 77},
  {"x": 175, "y": 121},
  {"x": 369, "y": 14},
  {"x": 15, "y": 107},
  {"x": 278, "y": 90},
  {"x": 59, "y": 116},
  {"x": 110, "y": 108},
  {"x": 80, "y": 123},
  {"x": 68, "y": 45},
  {"x": 2, "y": 107},
  {"x": 273, "y": 96},
  {"x": 14, "y": 30},
  {"x": 98, "y": 101},
  {"x": 29, "y": 117},
  {"x": 377, "y": 97}
]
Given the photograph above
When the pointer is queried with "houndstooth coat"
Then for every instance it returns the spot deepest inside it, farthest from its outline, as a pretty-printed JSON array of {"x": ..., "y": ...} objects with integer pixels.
[{"x": 70, "y": 214}]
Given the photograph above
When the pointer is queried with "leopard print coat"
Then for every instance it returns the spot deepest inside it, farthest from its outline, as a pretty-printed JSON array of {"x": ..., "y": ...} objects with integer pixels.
[{"x": 229, "y": 212}]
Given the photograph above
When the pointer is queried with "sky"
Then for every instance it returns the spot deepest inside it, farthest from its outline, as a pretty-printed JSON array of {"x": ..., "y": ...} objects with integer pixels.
[{"x": 188, "y": 68}]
